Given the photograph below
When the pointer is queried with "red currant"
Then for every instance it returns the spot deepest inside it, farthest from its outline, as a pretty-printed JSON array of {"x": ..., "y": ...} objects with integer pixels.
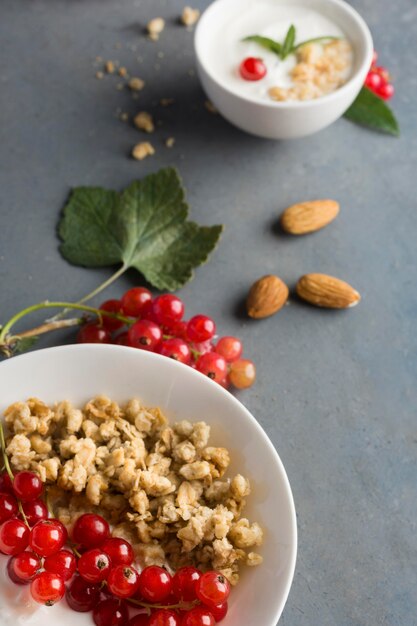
[
  {"x": 82, "y": 596},
  {"x": 110, "y": 613},
  {"x": 199, "y": 616},
  {"x": 200, "y": 328},
  {"x": 93, "y": 333},
  {"x": 386, "y": 91},
  {"x": 145, "y": 335},
  {"x": 155, "y": 584},
  {"x": 90, "y": 530},
  {"x": 123, "y": 581},
  {"x": 230, "y": 348},
  {"x": 6, "y": 485},
  {"x": 27, "y": 486},
  {"x": 242, "y": 373},
  {"x": 94, "y": 565},
  {"x": 11, "y": 573},
  {"x": 203, "y": 347},
  {"x": 213, "y": 589},
  {"x": 122, "y": 339},
  {"x": 183, "y": 583},
  {"x": 35, "y": 511},
  {"x": 168, "y": 309},
  {"x": 383, "y": 72},
  {"x": 111, "y": 306},
  {"x": 14, "y": 536},
  {"x": 8, "y": 506},
  {"x": 47, "y": 588},
  {"x": 373, "y": 81},
  {"x": 176, "y": 349},
  {"x": 252, "y": 69},
  {"x": 212, "y": 365},
  {"x": 219, "y": 612},
  {"x": 134, "y": 300},
  {"x": 164, "y": 617},
  {"x": 119, "y": 551},
  {"x": 48, "y": 537},
  {"x": 62, "y": 563},
  {"x": 139, "y": 620},
  {"x": 179, "y": 330},
  {"x": 25, "y": 566}
]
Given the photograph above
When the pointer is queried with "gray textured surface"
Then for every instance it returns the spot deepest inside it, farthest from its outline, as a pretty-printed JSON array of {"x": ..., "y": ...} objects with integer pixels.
[{"x": 336, "y": 392}]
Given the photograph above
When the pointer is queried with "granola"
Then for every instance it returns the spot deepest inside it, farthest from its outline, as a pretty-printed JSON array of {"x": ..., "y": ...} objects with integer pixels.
[{"x": 161, "y": 486}]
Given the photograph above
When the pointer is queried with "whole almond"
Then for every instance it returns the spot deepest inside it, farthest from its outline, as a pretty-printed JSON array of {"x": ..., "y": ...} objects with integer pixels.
[
  {"x": 267, "y": 296},
  {"x": 307, "y": 217},
  {"x": 327, "y": 291}
]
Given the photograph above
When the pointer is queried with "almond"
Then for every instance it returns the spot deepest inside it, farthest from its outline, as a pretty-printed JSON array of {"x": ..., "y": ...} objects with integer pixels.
[
  {"x": 267, "y": 296},
  {"x": 327, "y": 291},
  {"x": 307, "y": 217}
]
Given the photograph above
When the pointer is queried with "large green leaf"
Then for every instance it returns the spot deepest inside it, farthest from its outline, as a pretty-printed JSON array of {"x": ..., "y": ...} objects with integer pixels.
[{"x": 144, "y": 227}]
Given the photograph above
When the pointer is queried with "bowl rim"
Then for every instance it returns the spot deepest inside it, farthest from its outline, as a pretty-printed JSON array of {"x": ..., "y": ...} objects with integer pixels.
[
  {"x": 109, "y": 349},
  {"x": 293, "y": 104}
]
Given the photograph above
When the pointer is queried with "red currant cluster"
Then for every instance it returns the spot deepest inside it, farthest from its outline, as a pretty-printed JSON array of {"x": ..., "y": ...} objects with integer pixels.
[
  {"x": 158, "y": 326},
  {"x": 378, "y": 80},
  {"x": 104, "y": 579}
]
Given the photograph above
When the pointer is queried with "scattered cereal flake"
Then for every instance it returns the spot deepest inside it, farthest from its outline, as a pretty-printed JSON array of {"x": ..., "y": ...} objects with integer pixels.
[
  {"x": 144, "y": 121},
  {"x": 124, "y": 117},
  {"x": 136, "y": 84},
  {"x": 142, "y": 150},
  {"x": 122, "y": 72},
  {"x": 99, "y": 75},
  {"x": 155, "y": 28},
  {"x": 190, "y": 16},
  {"x": 210, "y": 107},
  {"x": 110, "y": 67},
  {"x": 166, "y": 102},
  {"x": 170, "y": 142}
]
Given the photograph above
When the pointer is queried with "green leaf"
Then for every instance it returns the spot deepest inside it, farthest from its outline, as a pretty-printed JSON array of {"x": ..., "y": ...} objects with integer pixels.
[
  {"x": 314, "y": 40},
  {"x": 371, "y": 111},
  {"x": 266, "y": 42},
  {"x": 144, "y": 227},
  {"x": 288, "y": 44}
]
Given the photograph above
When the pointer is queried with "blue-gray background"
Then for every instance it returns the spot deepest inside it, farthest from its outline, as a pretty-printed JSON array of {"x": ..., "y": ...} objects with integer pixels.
[{"x": 336, "y": 391}]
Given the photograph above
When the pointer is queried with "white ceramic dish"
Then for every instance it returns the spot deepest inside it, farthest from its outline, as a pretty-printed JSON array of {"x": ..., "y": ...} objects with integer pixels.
[
  {"x": 282, "y": 120},
  {"x": 78, "y": 373}
]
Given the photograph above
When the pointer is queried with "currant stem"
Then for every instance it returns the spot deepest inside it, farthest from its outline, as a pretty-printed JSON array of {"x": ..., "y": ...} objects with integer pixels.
[
  {"x": 95, "y": 291},
  {"x": 10, "y": 472},
  {"x": 54, "y": 305}
]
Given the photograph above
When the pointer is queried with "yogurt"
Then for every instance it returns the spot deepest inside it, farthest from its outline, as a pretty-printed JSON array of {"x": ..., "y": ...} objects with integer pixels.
[{"x": 267, "y": 18}]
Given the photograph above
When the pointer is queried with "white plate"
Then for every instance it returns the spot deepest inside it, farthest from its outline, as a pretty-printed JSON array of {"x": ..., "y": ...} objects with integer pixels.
[{"x": 79, "y": 372}]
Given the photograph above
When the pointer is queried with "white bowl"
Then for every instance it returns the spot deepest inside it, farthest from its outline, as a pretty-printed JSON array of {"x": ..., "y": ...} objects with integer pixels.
[
  {"x": 82, "y": 371},
  {"x": 284, "y": 120}
]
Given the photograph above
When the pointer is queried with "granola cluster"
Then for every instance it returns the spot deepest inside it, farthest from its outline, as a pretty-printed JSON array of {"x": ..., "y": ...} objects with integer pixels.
[
  {"x": 320, "y": 69},
  {"x": 162, "y": 487}
]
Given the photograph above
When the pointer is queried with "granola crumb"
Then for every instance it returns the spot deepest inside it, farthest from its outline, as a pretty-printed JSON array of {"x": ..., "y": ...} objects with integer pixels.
[
  {"x": 170, "y": 142},
  {"x": 124, "y": 117},
  {"x": 166, "y": 102},
  {"x": 110, "y": 67},
  {"x": 142, "y": 150},
  {"x": 136, "y": 84},
  {"x": 155, "y": 28},
  {"x": 210, "y": 107},
  {"x": 99, "y": 75},
  {"x": 144, "y": 121},
  {"x": 122, "y": 72},
  {"x": 190, "y": 16}
]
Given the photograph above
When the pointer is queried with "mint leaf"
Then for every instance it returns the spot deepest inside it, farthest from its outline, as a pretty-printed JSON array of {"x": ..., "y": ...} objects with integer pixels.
[
  {"x": 144, "y": 227},
  {"x": 266, "y": 42},
  {"x": 371, "y": 111},
  {"x": 288, "y": 44},
  {"x": 314, "y": 40}
]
